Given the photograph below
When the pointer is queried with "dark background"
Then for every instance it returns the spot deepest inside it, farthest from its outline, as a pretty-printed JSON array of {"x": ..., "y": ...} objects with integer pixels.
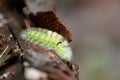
[{"x": 95, "y": 25}]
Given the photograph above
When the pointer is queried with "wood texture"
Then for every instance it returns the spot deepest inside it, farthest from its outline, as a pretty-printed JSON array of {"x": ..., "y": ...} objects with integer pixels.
[{"x": 25, "y": 55}]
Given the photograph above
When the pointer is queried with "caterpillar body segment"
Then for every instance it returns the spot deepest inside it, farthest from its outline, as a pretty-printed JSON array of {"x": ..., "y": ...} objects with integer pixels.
[{"x": 50, "y": 40}]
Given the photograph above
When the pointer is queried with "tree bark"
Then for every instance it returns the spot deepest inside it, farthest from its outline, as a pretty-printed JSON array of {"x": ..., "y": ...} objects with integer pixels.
[{"x": 19, "y": 57}]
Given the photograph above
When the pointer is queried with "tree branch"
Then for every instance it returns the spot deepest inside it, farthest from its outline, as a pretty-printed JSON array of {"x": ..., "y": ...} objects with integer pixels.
[{"x": 23, "y": 60}]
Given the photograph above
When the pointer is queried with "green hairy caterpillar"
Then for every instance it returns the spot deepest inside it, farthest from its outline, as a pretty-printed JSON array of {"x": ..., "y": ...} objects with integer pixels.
[{"x": 50, "y": 40}]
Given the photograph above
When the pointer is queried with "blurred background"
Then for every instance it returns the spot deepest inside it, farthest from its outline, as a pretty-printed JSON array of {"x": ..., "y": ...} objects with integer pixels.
[{"x": 95, "y": 25}]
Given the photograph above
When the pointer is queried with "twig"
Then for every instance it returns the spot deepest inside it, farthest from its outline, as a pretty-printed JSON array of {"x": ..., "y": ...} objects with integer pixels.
[{"x": 4, "y": 51}]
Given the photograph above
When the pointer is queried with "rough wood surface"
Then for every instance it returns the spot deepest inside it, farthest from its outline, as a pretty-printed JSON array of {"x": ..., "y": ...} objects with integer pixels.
[{"x": 22, "y": 56}]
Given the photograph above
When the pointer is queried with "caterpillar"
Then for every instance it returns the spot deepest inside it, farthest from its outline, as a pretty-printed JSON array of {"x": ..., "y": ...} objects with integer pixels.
[{"x": 50, "y": 40}]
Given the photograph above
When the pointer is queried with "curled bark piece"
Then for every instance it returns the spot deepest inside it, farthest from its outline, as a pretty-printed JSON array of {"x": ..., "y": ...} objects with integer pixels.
[
  {"x": 49, "y": 20},
  {"x": 42, "y": 14}
]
